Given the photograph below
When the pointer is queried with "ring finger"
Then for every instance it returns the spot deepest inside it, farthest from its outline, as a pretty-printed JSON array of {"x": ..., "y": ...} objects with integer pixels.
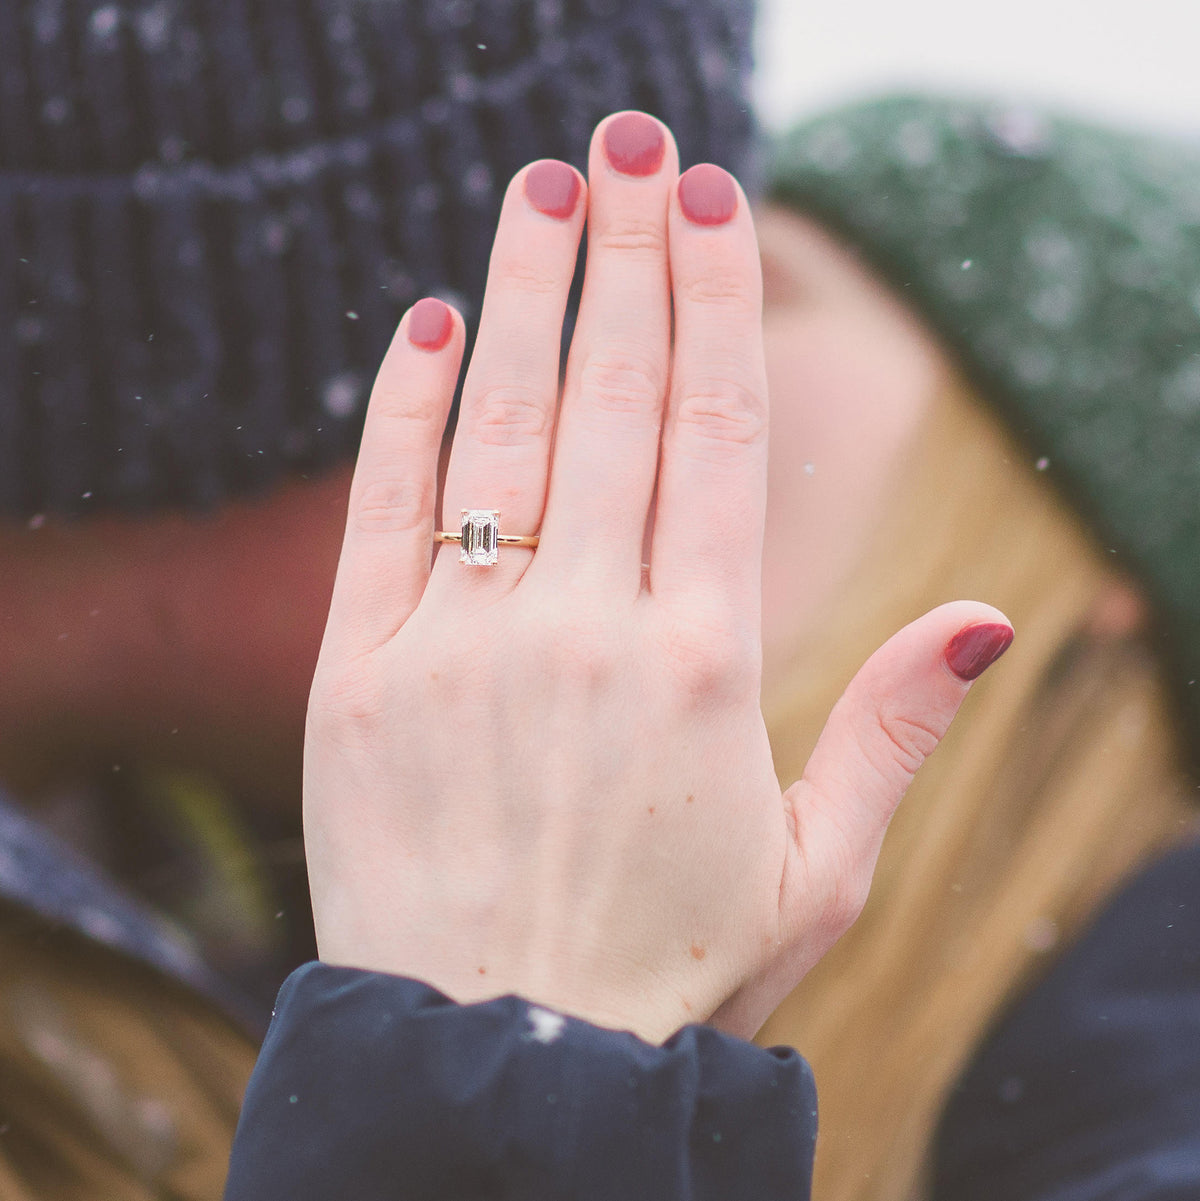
[{"x": 501, "y": 451}]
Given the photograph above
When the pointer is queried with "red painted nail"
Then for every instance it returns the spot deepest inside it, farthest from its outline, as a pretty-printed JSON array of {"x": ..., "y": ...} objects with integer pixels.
[
  {"x": 973, "y": 650},
  {"x": 552, "y": 188},
  {"x": 707, "y": 195},
  {"x": 430, "y": 324},
  {"x": 634, "y": 144}
]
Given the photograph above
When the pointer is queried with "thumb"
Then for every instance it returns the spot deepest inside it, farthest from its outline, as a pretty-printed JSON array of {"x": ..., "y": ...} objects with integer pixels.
[
  {"x": 889, "y": 720},
  {"x": 887, "y": 723}
]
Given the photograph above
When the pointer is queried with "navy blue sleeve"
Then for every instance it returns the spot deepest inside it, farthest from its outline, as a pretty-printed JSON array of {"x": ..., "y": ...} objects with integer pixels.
[
  {"x": 1089, "y": 1090},
  {"x": 381, "y": 1088}
]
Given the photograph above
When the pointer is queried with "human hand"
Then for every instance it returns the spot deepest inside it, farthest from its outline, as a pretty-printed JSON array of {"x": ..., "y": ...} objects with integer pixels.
[{"x": 551, "y": 776}]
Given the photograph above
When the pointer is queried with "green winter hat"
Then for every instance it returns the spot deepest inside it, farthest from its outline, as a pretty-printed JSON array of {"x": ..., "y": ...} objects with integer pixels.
[{"x": 1061, "y": 264}]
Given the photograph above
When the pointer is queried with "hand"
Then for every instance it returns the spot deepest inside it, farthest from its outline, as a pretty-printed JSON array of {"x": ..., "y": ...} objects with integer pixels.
[{"x": 551, "y": 776}]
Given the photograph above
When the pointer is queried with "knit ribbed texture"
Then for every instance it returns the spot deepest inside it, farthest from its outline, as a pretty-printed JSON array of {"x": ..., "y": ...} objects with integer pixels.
[
  {"x": 214, "y": 212},
  {"x": 1062, "y": 264}
]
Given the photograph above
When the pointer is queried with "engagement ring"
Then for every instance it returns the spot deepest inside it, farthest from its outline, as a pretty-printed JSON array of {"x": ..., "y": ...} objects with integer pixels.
[{"x": 480, "y": 537}]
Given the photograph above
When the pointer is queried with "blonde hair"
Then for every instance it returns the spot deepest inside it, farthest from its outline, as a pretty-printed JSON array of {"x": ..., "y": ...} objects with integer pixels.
[
  {"x": 115, "y": 1082},
  {"x": 1061, "y": 773}
]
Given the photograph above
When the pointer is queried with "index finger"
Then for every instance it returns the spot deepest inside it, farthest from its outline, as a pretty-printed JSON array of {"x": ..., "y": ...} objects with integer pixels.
[{"x": 712, "y": 484}]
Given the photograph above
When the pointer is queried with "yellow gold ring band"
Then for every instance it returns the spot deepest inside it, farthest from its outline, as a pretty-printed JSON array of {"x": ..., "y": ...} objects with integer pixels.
[{"x": 530, "y": 540}]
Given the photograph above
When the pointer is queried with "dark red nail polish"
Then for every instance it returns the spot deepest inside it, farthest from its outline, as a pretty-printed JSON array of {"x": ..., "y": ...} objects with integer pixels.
[
  {"x": 634, "y": 144},
  {"x": 707, "y": 195},
  {"x": 430, "y": 324},
  {"x": 552, "y": 188},
  {"x": 973, "y": 650}
]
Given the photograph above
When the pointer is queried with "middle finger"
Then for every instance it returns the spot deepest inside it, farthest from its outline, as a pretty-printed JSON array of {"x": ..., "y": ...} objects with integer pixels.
[{"x": 606, "y": 452}]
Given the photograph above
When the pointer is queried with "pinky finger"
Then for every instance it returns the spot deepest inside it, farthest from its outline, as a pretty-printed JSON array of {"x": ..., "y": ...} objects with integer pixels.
[{"x": 388, "y": 546}]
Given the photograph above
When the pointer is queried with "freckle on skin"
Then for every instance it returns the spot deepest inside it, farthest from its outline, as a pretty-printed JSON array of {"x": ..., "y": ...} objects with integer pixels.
[
  {"x": 483, "y": 971},
  {"x": 649, "y": 808},
  {"x": 433, "y": 675},
  {"x": 691, "y": 798},
  {"x": 698, "y": 952},
  {"x": 687, "y": 1007}
]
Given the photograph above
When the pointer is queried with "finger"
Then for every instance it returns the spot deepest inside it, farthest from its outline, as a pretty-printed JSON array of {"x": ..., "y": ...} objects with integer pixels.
[
  {"x": 500, "y": 459},
  {"x": 387, "y": 549},
  {"x": 606, "y": 452},
  {"x": 712, "y": 488},
  {"x": 889, "y": 720}
]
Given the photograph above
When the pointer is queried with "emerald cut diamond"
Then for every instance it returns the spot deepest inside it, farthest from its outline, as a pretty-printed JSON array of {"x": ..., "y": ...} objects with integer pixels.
[{"x": 480, "y": 528}]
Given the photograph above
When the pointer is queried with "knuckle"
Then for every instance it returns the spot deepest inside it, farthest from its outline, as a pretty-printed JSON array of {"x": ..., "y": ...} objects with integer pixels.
[
  {"x": 904, "y": 742},
  {"x": 395, "y": 505},
  {"x": 843, "y": 877},
  {"x": 723, "y": 411},
  {"x": 582, "y": 649},
  {"x": 847, "y": 899},
  {"x": 343, "y": 701},
  {"x": 591, "y": 661},
  {"x": 633, "y": 235},
  {"x": 522, "y": 276},
  {"x": 403, "y": 409},
  {"x": 622, "y": 383},
  {"x": 710, "y": 660},
  {"x": 736, "y": 293},
  {"x": 505, "y": 414}
]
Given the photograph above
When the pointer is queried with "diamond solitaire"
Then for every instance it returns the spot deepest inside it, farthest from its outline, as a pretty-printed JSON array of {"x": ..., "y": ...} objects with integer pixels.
[
  {"x": 480, "y": 538},
  {"x": 480, "y": 534}
]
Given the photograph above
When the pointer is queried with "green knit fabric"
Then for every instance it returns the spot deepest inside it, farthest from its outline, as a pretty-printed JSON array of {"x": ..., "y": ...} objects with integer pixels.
[{"x": 1061, "y": 264}]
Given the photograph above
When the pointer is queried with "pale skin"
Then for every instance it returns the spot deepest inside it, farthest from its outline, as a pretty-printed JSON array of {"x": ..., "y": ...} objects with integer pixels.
[
  {"x": 574, "y": 870},
  {"x": 551, "y": 777}
]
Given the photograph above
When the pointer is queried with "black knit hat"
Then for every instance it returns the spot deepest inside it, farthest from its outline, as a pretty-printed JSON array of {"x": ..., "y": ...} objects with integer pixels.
[{"x": 214, "y": 212}]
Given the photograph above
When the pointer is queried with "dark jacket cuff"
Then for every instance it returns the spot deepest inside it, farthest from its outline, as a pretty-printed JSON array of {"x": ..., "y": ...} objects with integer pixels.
[
  {"x": 1090, "y": 1086},
  {"x": 380, "y": 1087}
]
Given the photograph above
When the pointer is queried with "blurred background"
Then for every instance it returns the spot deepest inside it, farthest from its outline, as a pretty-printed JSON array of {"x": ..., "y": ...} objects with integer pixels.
[{"x": 1128, "y": 62}]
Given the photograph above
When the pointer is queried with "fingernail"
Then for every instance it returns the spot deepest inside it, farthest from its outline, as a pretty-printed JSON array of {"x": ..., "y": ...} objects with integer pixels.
[
  {"x": 973, "y": 650},
  {"x": 634, "y": 144},
  {"x": 552, "y": 188},
  {"x": 430, "y": 324},
  {"x": 707, "y": 195}
]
